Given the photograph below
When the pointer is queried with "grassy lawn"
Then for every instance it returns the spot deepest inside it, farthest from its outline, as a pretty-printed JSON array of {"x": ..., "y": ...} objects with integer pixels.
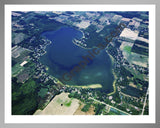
[
  {"x": 127, "y": 49},
  {"x": 67, "y": 104}
]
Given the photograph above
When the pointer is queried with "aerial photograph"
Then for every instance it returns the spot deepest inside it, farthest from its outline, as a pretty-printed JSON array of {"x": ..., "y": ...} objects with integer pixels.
[{"x": 80, "y": 63}]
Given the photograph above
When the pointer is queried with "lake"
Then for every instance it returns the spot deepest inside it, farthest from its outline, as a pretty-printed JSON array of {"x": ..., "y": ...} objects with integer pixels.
[{"x": 63, "y": 55}]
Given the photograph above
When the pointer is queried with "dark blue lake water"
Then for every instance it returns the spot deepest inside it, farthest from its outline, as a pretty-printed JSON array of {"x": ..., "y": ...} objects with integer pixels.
[{"x": 62, "y": 55}]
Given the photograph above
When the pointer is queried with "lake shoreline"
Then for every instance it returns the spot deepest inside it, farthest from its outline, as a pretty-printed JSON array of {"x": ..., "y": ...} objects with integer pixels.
[
  {"x": 115, "y": 77},
  {"x": 99, "y": 72},
  {"x": 92, "y": 86}
]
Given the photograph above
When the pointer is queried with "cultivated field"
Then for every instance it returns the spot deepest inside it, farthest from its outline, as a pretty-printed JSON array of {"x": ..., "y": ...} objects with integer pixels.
[
  {"x": 89, "y": 112},
  {"x": 60, "y": 105},
  {"x": 132, "y": 57}
]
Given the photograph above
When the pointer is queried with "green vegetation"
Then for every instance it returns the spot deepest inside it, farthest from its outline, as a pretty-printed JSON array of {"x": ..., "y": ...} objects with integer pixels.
[
  {"x": 67, "y": 103},
  {"x": 24, "y": 97},
  {"x": 116, "y": 97},
  {"x": 86, "y": 107},
  {"x": 94, "y": 38},
  {"x": 128, "y": 49},
  {"x": 25, "y": 106},
  {"x": 124, "y": 72},
  {"x": 99, "y": 108},
  {"x": 139, "y": 86},
  {"x": 140, "y": 83},
  {"x": 74, "y": 95},
  {"x": 28, "y": 87},
  {"x": 82, "y": 97},
  {"x": 16, "y": 69},
  {"x": 112, "y": 51},
  {"x": 40, "y": 23},
  {"x": 146, "y": 111},
  {"x": 42, "y": 93},
  {"x": 132, "y": 91}
]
